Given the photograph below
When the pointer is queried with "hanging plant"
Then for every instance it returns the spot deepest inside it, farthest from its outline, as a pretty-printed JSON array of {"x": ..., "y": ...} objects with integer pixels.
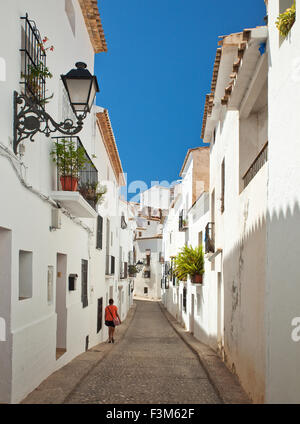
[{"x": 286, "y": 20}]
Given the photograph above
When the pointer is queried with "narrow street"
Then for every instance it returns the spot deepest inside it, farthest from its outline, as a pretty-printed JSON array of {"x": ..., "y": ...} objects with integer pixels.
[{"x": 151, "y": 364}]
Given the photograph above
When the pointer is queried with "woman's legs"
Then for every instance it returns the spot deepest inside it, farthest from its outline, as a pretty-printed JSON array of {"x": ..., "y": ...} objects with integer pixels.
[{"x": 110, "y": 333}]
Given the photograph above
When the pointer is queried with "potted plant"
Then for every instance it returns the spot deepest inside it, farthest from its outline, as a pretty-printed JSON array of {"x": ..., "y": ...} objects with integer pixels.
[
  {"x": 132, "y": 269},
  {"x": 93, "y": 193},
  {"x": 286, "y": 20},
  {"x": 190, "y": 262},
  {"x": 70, "y": 159}
]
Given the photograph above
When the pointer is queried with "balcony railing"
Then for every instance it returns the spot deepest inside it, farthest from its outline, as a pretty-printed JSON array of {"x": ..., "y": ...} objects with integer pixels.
[
  {"x": 210, "y": 238},
  {"x": 87, "y": 176},
  {"x": 110, "y": 265},
  {"x": 256, "y": 165}
]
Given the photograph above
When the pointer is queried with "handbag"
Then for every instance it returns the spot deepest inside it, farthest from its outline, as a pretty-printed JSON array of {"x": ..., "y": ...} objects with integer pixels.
[{"x": 115, "y": 320}]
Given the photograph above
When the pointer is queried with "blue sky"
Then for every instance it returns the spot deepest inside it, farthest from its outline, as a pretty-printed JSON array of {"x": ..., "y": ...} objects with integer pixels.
[{"x": 156, "y": 73}]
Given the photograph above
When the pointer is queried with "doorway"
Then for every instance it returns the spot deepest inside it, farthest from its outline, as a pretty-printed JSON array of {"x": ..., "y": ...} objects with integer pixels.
[{"x": 61, "y": 307}]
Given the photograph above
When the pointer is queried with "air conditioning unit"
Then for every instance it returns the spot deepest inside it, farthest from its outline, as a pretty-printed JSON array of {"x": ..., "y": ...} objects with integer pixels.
[{"x": 56, "y": 219}]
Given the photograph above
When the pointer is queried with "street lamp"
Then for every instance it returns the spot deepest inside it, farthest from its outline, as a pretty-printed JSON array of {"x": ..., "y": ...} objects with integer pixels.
[
  {"x": 139, "y": 266},
  {"x": 30, "y": 117},
  {"x": 81, "y": 87}
]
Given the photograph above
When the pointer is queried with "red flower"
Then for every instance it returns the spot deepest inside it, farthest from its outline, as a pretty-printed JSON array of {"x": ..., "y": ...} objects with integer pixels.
[
  {"x": 51, "y": 48},
  {"x": 45, "y": 39}
]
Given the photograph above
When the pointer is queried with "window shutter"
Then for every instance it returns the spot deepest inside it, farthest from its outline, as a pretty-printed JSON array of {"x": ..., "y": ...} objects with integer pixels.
[
  {"x": 99, "y": 232},
  {"x": 84, "y": 283}
]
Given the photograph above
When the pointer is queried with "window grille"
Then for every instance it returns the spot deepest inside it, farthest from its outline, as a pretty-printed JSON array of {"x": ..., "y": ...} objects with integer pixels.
[{"x": 33, "y": 60}]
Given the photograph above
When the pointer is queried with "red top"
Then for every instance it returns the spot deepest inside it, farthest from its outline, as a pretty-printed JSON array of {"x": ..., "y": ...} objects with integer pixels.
[{"x": 110, "y": 312}]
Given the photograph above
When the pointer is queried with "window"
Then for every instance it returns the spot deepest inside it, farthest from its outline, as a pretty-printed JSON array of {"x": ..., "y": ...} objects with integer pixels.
[
  {"x": 147, "y": 274},
  {"x": 184, "y": 299},
  {"x": 167, "y": 285},
  {"x": 33, "y": 62},
  {"x": 84, "y": 283},
  {"x": 145, "y": 290},
  {"x": 148, "y": 222},
  {"x": 140, "y": 234},
  {"x": 107, "y": 235},
  {"x": 99, "y": 232},
  {"x": 112, "y": 265},
  {"x": 50, "y": 284},
  {"x": 148, "y": 257},
  {"x": 72, "y": 282},
  {"x": 70, "y": 11},
  {"x": 223, "y": 186},
  {"x": 99, "y": 314},
  {"x": 25, "y": 275}
]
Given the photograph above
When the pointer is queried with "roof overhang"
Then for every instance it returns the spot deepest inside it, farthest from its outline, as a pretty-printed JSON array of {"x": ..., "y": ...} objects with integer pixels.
[
  {"x": 104, "y": 125},
  {"x": 93, "y": 24},
  {"x": 235, "y": 65}
]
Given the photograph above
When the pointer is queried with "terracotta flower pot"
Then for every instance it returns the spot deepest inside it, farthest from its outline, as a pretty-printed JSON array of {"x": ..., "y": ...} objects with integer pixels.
[
  {"x": 69, "y": 183},
  {"x": 197, "y": 279}
]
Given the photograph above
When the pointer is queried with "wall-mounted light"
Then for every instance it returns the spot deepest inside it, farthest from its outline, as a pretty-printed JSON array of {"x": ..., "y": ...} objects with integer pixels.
[{"x": 30, "y": 117}]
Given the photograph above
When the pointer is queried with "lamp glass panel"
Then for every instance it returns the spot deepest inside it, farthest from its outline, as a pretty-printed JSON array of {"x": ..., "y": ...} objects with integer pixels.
[
  {"x": 92, "y": 94},
  {"x": 78, "y": 91}
]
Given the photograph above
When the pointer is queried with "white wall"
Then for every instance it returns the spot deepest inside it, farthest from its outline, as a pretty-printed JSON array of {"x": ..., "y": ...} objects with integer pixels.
[
  {"x": 282, "y": 303},
  {"x": 29, "y": 354}
]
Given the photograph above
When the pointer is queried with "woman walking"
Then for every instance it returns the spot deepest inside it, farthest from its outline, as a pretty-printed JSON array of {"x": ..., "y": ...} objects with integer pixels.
[{"x": 111, "y": 319}]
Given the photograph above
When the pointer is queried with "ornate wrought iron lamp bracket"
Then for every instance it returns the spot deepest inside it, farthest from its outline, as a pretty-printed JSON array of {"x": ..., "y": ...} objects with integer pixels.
[{"x": 29, "y": 119}]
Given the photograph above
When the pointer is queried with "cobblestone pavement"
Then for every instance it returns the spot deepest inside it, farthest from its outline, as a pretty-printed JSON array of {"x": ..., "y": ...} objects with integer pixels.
[{"x": 151, "y": 364}]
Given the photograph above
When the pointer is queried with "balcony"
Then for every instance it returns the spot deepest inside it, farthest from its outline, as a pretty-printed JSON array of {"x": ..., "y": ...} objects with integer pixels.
[
  {"x": 183, "y": 222},
  {"x": 210, "y": 238},
  {"x": 110, "y": 265},
  {"x": 256, "y": 165},
  {"x": 78, "y": 196}
]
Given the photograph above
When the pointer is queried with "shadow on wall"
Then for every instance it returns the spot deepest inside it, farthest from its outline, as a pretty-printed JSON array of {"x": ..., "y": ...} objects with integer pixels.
[{"x": 261, "y": 297}]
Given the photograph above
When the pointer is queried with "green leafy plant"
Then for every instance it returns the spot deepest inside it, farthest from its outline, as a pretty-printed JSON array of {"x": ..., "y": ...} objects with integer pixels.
[
  {"x": 69, "y": 158},
  {"x": 36, "y": 74},
  {"x": 93, "y": 192},
  {"x": 189, "y": 262},
  {"x": 286, "y": 20},
  {"x": 132, "y": 269}
]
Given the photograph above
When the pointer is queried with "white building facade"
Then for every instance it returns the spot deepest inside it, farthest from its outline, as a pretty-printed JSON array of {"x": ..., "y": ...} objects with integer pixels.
[{"x": 53, "y": 279}]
